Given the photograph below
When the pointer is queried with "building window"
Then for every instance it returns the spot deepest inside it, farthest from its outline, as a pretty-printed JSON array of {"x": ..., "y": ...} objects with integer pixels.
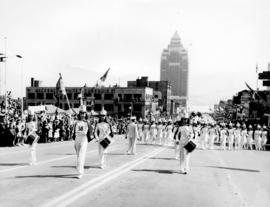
[
  {"x": 31, "y": 96},
  {"x": 69, "y": 95},
  {"x": 137, "y": 107},
  {"x": 40, "y": 95},
  {"x": 76, "y": 105},
  {"x": 97, "y": 107},
  {"x": 97, "y": 96},
  {"x": 137, "y": 97},
  {"x": 49, "y": 96},
  {"x": 66, "y": 106},
  {"x": 31, "y": 104},
  {"x": 127, "y": 96},
  {"x": 108, "y": 107},
  {"x": 108, "y": 96}
]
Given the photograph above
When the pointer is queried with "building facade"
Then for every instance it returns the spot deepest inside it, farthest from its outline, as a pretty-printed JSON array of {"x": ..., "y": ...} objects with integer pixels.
[
  {"x": 121, "y": 101},
  {"x": 162, "y": 91},
  {"x": 174, "y": 67}
]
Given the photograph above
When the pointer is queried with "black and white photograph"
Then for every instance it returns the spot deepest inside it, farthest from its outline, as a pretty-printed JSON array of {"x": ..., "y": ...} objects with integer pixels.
[{"x": 127, "y": 103}]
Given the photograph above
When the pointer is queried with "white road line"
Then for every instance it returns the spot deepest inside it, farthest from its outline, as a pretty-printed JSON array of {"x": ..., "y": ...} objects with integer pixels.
[
  {"x": 52, "y": 160},
  {"x": 82, "y": 190}
]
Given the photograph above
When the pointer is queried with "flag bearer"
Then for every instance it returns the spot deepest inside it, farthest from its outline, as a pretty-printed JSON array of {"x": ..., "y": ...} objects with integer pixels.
[{"x": 82, "y": 133}]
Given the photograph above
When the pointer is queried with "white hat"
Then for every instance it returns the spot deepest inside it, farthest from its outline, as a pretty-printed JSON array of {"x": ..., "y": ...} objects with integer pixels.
[
  {"x": 82, "y": 108},
  {"x": 133, "y": 118},
  {"x": 103, "y": 112},
  {"x": 31, "y": 112}
]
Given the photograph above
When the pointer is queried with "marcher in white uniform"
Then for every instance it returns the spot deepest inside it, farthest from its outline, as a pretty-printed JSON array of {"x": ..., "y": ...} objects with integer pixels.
[
  {"x": 258, "y": 138},
  {"x": 237, "y": 137},
  {"x": 146, "y": 132},
  {"x": 169, "y": 133},
  {"x": 164, "y": 132},
  {"x": 264, "y": 137},
  {"x": 230, "y": 136},
  {"x": 212, "y": 136},
  {"x": 250, "y": 138},
  {"x": 204, "y": 135},
  {"x": 244, "y": 135},
  {"x": 176, "y": 138},
  {"x": 140, "y": 130},
  {"x": 132, "y": 135},
  {"x": 223, "y": 137},
  {"x": 102, "y": 131},
  {"x": 82, "y": 133},
  {"x": 153, "y": 132},
  {"x": 159, "y": 133},
  {"x": 31, "y": 129},
  {"x": 185, "y": 136}
]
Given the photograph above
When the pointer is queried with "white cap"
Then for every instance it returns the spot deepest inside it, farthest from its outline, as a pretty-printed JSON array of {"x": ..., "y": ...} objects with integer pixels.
[
  {"x": 133, "y": 118},
  {"x": 82, "y": 108},
  {"x": 103, "y": 112}
]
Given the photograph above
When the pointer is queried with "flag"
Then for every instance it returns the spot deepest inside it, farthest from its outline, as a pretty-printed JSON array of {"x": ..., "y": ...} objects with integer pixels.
[
  {"x": 60, "y": 89},
  {"x": 82, "y": 91},
  {"x": 255, "y": 93},
  {"x": 103, "y": 78}
]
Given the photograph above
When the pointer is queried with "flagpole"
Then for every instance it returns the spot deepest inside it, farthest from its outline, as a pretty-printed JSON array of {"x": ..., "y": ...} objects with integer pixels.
[
  {"x": 257, "y": 78},
  {"x": 5, "y": 82}
]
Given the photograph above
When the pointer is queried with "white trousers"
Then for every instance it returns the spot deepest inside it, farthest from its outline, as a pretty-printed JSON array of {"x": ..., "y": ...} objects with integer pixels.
[
  {"x": 101, "y": 152},
  {"x": 80, "y": 146},
  {"x": 132, "y": 145},
  {"x": 33, "y": 154},
  {"x": 184, "y": 159}
]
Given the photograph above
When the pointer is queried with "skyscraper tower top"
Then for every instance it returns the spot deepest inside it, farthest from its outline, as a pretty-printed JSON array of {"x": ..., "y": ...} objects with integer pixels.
[{"x": 174, "y": 66}]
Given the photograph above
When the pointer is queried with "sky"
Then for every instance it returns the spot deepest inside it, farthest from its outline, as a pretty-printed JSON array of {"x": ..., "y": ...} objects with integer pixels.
[{"x": 81, "y": 39}]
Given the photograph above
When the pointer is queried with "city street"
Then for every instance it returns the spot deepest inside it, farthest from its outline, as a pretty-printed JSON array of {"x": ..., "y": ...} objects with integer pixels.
[{"x": 149, "y": 178}]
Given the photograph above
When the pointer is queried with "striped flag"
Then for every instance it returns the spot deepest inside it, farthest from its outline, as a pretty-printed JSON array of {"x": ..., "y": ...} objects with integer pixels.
[
  {"x": 60, "y": 89},
  {"x": 103, "y": 78}
]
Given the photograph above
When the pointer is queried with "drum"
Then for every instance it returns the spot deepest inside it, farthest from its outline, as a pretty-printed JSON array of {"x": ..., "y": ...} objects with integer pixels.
[
  {"x": 190, "y": 146},
  {"x": 105, "y": 142},
  {"x": 32, "y": 138}
]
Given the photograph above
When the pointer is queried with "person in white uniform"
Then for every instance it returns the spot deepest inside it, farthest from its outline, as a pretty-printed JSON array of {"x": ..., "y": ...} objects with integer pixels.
[
  {"x": 258, "y": 138},
  {"x": 237, "y": 137},
  {"x": 146, "y": 133},
  {"x": 140, "y": 130},
  {"x": 102, "y": 131},
  {"x": 264, "y": 137},
  {"x": 31, "y": 130},
  {"x": 185, "y": 136},
  {"x": 159, "y": 132},
  {"x": 250, "y": 140},
  {"x": 223, "y": 136},
  {"x": 230, "y": 136},
  {"x": 82, "y": 133},
  {"x": 132, "y": 135},
  {"x": 244, "y": 135}
]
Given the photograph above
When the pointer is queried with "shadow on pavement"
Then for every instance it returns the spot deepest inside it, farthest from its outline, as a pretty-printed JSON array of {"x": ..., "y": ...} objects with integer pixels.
[
  {"x": 49, "y": 176},
  {"x": 157, "y": 171},
  {"x": 115, "y": 153},
  {"x": 161, "y": 158},
  {"x": 61, "y": 154},
  {"x": 66, "y": 166},
  {"x": 230, "y": 168},
  {"x": 13, "y": 164}
]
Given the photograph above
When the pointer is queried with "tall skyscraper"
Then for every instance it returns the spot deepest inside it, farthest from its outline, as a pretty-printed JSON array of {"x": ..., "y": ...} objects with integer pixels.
[{"x": 174, "y": 67}]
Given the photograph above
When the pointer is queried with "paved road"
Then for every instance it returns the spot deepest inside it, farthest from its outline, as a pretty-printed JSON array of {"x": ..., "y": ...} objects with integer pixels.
[{"x": 150, "y": 178}]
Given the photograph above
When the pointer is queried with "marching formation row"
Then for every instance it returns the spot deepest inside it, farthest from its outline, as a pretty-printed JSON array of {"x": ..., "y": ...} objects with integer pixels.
[
  {"x": 184, "y": 136},
  {"x": 205, "y": 135}
]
